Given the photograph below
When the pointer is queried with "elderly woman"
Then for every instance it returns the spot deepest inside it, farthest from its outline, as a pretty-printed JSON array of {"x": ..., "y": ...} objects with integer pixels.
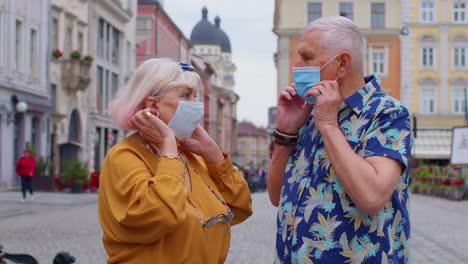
[{"x": 167, "y": 194}]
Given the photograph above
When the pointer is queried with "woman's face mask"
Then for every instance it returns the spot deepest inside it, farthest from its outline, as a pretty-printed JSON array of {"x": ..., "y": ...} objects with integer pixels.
[
  {"x": 186, "y": 118},
  {"x": 306, "y": 77}
]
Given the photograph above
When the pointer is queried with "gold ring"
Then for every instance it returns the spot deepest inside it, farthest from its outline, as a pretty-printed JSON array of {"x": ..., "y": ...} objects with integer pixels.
[{"x": 147, "y": 114}]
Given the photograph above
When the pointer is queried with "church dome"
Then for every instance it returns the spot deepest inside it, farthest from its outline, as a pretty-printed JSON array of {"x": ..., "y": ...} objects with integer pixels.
[
  {"x": 204, "y": 33},
  {"x": 222, "y": 37}
]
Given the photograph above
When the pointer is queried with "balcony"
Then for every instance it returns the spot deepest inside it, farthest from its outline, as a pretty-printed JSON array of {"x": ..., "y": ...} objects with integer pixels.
[{"x": 75, "y": 75}]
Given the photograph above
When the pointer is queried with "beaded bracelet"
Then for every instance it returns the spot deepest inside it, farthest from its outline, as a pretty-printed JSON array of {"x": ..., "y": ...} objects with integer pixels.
[{"x": 282, "y": 138}]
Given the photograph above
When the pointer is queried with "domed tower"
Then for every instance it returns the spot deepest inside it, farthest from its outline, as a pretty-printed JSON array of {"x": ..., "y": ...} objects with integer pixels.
[
  {"x": 225, "y": 44},
  {"x": 212, "y": 44},
  {"x": 204, "y": 36}
]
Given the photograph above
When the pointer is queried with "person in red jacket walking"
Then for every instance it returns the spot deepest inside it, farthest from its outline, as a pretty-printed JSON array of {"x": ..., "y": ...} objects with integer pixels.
[{"x": 25, "y": 169}]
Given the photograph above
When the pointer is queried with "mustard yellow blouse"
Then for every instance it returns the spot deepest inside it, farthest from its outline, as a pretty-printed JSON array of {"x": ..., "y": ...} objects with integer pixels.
[{"x": 146, "y": 216}]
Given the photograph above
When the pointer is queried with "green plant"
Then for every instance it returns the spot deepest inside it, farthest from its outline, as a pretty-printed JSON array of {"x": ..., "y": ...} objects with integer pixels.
[
  {"x": 74, "y": 172},
  {"x": 56, "y": 53},
  {"x": 41, "y": 166},
  {"x": 76, "y": 54},
  {"x": 88, "y": 58}
]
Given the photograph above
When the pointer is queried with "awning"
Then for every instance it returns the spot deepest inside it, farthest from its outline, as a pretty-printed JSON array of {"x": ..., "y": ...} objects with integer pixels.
[{"x": 432, "y": 143}]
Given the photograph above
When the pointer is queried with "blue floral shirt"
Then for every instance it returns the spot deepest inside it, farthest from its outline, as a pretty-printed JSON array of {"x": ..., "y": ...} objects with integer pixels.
[{"x": 317, "y": 221}]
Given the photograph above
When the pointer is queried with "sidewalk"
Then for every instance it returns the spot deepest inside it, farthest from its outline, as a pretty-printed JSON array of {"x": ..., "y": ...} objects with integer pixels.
[
  {"x": 12, "y": 204},
  {"x": 51, "y": 198}
]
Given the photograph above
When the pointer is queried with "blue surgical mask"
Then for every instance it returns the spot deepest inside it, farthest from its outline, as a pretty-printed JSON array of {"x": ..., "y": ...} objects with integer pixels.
[
  {"x": 186, "y": 118},
  {"x": 306, "y": 77}
]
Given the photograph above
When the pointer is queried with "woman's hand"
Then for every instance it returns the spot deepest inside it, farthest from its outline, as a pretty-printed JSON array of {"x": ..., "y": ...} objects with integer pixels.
[
  {"x": 202, "y": 144},
  {"x": 292, "y": 111},
  {"x": 154, "y": 130}
]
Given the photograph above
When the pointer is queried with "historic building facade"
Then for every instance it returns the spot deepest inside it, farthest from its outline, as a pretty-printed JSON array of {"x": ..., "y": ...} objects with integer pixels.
[
  {"x": 435, "y": 72},
  {"x": 113, "y": 40},
  {"x": 25, "y": 103},
  {"x": 379, "y": 21},
  {"x": 157, "y": 35},
  {"x": 69, "y": 81},
  {"x": 253, "y": 146}
]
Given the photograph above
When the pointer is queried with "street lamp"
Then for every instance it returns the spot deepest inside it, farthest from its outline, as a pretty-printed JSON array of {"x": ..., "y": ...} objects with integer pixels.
[{"x": 20, "y": 107}]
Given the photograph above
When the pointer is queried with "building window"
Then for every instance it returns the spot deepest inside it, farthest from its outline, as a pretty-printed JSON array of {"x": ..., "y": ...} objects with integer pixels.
[
  {"x": 107, "y": 47},
  {"x": 80, "y": 42},
  {"x": 18, "y": 44},
  {"x": 427, "y": 11},
  {"x": 115, "y": 46},
  {"x": 35, "y": 132},
  {"x": 33, "y": 52},
  {"x": 428, "y": 100},
  {"x": 459, "y": 11},
  {"x": 68, "y": 42},
  {"x": 314, "y": 11},
  {"x": 100, "y": 89},
  {"x": 1, "y": 37},
  {"x": 460, "y": 57},
  {"x": 115, "y": 84},
  {"x": 129, "y": 63},
  {"x": 346, "y": 10},
  {"x": 427, "y": 57},
  {"x": 100, "y": 38},
  {"x": 55, "y": 30},
  {"x": 107, "y": 91},
  {"x": 458, "y": 100},
  {"x": 378, "y": 15},
  {"x": 379, "y": 62}
]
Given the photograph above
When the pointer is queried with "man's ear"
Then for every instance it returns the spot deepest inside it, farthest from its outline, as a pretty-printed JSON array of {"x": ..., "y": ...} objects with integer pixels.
[{"x": 345, "y": 61}]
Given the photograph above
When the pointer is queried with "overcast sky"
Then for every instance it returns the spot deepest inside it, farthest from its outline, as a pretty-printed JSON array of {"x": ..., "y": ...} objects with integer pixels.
[{"x": 248, "y": 24}]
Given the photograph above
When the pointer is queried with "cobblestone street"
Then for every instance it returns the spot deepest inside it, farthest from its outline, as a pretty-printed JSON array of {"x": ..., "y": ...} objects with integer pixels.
[{"x": 54, "y": 222}]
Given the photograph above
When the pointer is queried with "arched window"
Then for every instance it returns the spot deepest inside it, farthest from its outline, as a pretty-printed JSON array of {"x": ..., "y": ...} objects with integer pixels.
[
  {"x": 74, "y": 127},
  {"x": 35, "y": 132}
]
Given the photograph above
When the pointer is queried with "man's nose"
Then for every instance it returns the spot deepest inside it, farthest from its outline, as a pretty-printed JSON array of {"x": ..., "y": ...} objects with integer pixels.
[{"x": 299, "y": 63}]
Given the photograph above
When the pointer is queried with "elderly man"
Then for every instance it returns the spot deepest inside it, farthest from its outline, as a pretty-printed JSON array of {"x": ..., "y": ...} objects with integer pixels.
[{"x": 339, "y": 170}]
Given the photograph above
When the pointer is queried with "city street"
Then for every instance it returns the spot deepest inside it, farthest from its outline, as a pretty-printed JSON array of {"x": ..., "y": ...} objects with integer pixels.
[{"x": 54, "y": 222}]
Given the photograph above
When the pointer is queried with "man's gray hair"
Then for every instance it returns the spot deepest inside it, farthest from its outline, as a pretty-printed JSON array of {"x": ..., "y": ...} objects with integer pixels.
[{"x": 340, "y": 34}]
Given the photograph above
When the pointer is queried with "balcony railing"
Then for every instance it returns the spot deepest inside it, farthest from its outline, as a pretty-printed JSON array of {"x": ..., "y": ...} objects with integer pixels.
[{"x": 75, "y": 74}]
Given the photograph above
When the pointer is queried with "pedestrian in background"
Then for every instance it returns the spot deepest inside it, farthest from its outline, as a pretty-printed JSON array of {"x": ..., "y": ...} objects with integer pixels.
[
  {"x": 168, "y": 194},
  {"x": 339, "y": 171},
  {"x": 25, "y": 168}
]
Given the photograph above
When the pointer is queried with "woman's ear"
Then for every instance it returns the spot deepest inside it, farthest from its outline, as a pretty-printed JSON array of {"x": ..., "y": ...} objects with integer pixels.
[{"x": 150, "y": 102}]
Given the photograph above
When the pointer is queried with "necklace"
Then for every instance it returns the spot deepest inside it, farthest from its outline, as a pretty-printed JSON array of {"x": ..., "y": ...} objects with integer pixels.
[{"x": 206, "y": 223}]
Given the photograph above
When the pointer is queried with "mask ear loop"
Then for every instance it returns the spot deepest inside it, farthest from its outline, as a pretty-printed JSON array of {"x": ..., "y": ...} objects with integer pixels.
[{"x": 330, "y": 60}]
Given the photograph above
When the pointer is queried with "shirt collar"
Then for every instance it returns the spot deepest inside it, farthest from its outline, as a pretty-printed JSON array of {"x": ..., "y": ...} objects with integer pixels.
[{"x": 359, "y": 99}]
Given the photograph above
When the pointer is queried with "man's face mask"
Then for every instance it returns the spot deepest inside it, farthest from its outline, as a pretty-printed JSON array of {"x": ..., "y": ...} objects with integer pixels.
[
  {"x": 186, "y": 118},
  {"x": 306, "y": 77}
]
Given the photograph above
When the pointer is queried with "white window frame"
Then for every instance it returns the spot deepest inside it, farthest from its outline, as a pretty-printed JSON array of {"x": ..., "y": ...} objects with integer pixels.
[
  {"x": 384, "y": 15},
  {"x": 18, "y": 48},
  {"x": 379, "y": 49},
  {"x": 422, "y": 102},
  {"x": 421, "y": 58},
  {"x": 33, "y": 58},
  {"x": 462, "y": 52},
  {"x": 459, "y": 10},
  {"x": 346, "y": 3},
  {"x": 55, "y": 35},
  {"x": 458, "y": 100},
  {"x": 307, "y": 10},
  {"x": 428, "y": 11}
]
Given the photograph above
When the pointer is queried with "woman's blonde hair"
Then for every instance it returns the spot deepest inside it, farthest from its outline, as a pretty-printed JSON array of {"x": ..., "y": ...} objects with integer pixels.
[{"x": 152, "y": 77}]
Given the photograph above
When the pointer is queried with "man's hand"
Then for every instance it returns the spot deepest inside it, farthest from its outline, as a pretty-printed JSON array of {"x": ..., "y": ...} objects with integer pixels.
[
  {"x": 292, "y": 111},
  {"x": 327, "y": 100}
]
